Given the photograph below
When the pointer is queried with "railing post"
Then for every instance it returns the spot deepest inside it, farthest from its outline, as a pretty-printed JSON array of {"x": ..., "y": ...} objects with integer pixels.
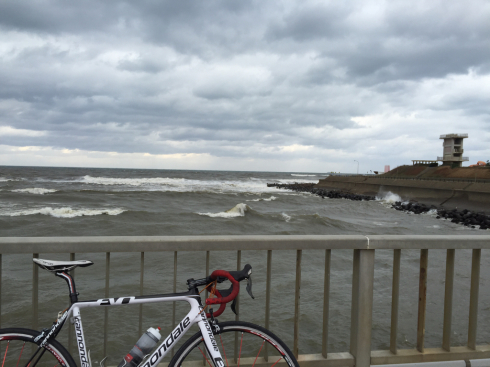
[
  {"x": 237, "y": 305},
  {"x": 395, "y": 296},
  {"x": 71, "y": 329},
  {"x": 106, "y": 310},
  {"x": 0, "y": 290},
  {"x": 474, "y": 292},
  {"x": 448, "y": 300},
  {"x": 355, "y": 302},
  {"x": 326, "y": 302},
  {"x": 142, "y": 279},
  {"x": 362, "y": 305},
  {"x": 35, "y": 292},
  {"x": 424, "y": 259},
  {"x": 268, "y": 300},
  {"x": 297, "y": 293},
  {"x": 174, "y": 304}
]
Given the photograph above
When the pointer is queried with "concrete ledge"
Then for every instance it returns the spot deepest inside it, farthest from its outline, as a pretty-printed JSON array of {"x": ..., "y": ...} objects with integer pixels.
[
  {"x": 304, "y": 360},
  {"x": 332, "y": 360},
  {"x": 379, "y": 357}
]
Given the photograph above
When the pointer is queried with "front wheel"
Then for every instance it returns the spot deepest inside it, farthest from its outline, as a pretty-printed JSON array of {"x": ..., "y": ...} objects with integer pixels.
[
  {"x": 240, "y": 343},
  {"x": 18, "y": 349}
]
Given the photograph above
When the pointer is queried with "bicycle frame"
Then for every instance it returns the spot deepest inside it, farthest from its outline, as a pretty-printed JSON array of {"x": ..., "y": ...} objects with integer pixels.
[{"x": 195, "y": 316}]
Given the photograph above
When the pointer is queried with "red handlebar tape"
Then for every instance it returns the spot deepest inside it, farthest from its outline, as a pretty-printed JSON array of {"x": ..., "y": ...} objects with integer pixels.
[
  {"x": 234, "y": 292},
  {"x": 221, "y": 308}
]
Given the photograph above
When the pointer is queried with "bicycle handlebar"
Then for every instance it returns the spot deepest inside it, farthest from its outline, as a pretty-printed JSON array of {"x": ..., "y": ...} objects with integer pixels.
[
  {"x": 223, "y": 297},
  {"x": 235, "y": 287}
]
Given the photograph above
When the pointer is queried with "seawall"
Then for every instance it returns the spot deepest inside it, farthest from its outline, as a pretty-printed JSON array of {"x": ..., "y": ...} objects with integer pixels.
[{"x": 461, "y": 195}]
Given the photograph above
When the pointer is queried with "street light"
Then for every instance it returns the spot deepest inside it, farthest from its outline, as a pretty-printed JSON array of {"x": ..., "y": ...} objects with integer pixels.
[{"x": 357, "y": 166}]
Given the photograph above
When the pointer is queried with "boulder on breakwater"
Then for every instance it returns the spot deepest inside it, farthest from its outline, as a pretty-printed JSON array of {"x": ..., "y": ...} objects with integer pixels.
[
  {"x": 310, "y": 188},
  {"x": 464, "y": 217}
]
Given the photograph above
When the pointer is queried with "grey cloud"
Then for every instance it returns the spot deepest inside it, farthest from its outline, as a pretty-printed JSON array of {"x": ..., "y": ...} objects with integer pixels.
[{"x": 232, "y": 78}]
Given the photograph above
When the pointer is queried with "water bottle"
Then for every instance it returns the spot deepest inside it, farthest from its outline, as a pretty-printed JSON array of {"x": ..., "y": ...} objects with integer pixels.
[{"x": 143, "y": 346}]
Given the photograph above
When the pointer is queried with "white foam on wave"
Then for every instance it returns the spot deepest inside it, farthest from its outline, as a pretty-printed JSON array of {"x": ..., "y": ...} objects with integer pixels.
[
  {"x": 297, "y": 174},
  {"x": 3, "y": 179},
  {"x": 272, "y": 198},
  {"x": 237, "y": 211},
  {"x": 36, "y": 190},
  {"x": 64, "y": 212},
  {"x": 431, "y": 212},
  {"x": 131, "y": 181},
  {"x": 286, "y": 217},
  {"x": 389, "y": 198},
  {"x": 186, "y": 185}
]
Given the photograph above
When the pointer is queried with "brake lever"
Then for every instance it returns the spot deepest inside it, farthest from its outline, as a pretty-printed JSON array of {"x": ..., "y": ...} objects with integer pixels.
[
  {"x": 249, "y": 286},
  {"x": 233, "y": 307}
]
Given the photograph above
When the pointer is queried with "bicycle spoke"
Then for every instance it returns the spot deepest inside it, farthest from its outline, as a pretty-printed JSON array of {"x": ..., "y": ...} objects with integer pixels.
[
  {"x": 240, "y": 353},
  {"x": 226, "y": 359},
  {"x": 205, "y": 357},
  {"x": 276, "y": 362},
  {"x": 259, "y": 352},
  {"x": 20, "y": 355},
  {"x": 6, "y": 350}
]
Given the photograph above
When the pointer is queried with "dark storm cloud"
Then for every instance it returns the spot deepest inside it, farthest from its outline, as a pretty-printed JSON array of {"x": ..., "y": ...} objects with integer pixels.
[{"x": 237, "y": 78}]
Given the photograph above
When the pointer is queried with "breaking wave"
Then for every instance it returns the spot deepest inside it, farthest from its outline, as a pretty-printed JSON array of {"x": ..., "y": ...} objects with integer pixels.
[
  {"x": 64, "y": 212},
  {"x": 389, "y": 198},
  {"x": 296, "y": 174},
  {"x": 131, "y": 181},
  {"x": 168, "y": 184},
  {"x": 3, "y": 179},
  {"x": 36, "y": 190},
  {"x": 272, "y": 198},
  {"x": 237, "y": 211},
  {"x": 286, "y": 217}
]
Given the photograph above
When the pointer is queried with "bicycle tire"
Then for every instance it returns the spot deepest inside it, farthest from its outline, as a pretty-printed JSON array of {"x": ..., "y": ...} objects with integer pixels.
[
  {"x": 248, "y": 353},
  {"x": 13, "y": 351}
]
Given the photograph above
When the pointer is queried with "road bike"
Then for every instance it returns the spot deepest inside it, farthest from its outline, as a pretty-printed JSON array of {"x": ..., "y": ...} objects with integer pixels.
[{"x": 216, "y": 344}]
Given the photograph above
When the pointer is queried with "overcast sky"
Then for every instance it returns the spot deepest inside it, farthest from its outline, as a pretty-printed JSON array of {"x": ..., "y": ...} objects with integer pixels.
[{"x": 306, "y": 86}]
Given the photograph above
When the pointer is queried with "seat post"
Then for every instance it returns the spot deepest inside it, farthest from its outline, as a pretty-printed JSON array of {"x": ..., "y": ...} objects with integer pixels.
[{"x": 71, "y": 285}]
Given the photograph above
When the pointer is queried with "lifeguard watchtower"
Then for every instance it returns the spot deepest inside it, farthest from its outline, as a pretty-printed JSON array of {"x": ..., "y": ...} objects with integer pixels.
[{"x": 453, "y": 150}]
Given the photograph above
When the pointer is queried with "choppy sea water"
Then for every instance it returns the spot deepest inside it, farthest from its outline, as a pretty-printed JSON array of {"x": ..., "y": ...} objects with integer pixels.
[{"x": 105, "y": 202}]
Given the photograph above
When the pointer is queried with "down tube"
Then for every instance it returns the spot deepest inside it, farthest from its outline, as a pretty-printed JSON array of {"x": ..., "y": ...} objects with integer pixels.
[
  {"x": 211, "y": 345},
  {"x": 190, "y": 319}
]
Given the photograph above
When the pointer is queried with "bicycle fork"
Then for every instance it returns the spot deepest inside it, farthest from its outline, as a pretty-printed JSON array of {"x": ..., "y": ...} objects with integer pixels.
[{"x": 210, "y": 341}]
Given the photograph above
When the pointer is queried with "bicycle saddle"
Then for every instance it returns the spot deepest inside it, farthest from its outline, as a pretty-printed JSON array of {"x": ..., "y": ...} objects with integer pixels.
[{"x": 55, "y": 266}]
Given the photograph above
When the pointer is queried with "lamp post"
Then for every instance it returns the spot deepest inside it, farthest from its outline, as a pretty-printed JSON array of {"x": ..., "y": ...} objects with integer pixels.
[{"x": 357, "y": 166}]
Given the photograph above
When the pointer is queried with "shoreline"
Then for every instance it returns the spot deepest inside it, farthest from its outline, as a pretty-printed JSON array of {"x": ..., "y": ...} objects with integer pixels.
[
  {"x": 470, "y": 218},
  {"x": 474, "y": 196}
]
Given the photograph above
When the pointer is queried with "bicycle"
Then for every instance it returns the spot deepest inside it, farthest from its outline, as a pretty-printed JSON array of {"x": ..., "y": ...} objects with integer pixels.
[{"x": 256, "y": 344}]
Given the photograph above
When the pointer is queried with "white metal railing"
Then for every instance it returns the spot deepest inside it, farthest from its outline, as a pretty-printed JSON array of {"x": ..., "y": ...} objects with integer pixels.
[{"x": 364, "y": 249}]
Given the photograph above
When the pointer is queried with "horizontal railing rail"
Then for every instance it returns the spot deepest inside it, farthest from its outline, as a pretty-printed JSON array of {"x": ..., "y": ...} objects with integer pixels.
[{"x": 364, "y": 249}]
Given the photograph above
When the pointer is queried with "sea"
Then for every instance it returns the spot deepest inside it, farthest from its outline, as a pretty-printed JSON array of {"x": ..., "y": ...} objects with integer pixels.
[{"x": 48, "y": 201}]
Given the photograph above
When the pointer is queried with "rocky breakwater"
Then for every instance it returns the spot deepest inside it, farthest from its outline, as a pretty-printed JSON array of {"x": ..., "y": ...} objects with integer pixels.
[
  {"x": 323, "y": 193},
  {"x": 464, "y": 217}
]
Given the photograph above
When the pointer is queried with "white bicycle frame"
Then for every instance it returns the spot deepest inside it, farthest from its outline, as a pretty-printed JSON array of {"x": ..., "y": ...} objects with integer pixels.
[{"x": 195, "y": 316}]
